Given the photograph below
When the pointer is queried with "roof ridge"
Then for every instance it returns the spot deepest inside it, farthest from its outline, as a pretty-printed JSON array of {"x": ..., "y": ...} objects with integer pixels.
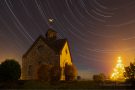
[{"x": 56, "y": 45}]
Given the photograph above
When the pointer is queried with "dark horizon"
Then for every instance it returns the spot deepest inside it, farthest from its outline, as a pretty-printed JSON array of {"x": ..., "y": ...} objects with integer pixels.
[{"x": 98, "y": 31}]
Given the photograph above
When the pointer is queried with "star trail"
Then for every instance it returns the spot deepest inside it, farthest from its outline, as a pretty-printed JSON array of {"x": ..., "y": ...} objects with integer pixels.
[{"x": 97, "y": 30}]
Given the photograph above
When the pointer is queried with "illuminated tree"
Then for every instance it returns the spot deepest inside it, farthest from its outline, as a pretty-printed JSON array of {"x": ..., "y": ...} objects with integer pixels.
[{"x": 118, "y": 73}]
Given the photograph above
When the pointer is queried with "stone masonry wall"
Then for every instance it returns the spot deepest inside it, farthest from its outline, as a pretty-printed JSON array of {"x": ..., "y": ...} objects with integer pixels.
[{"x": 39, "y": 54}]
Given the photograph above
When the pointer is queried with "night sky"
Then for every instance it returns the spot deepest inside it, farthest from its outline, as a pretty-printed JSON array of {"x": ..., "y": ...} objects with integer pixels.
[{"x": 98, "y": 31}]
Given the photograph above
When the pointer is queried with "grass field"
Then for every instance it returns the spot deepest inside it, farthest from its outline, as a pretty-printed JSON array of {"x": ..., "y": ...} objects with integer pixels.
[{"x": 63, "y": 85}]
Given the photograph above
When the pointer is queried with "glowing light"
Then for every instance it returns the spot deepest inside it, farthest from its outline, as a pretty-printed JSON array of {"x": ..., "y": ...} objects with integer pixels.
[
  {"x": 118, "y": 71},
  {"x": 51, "y": 20},
  {"x": 119, "y": 60}
]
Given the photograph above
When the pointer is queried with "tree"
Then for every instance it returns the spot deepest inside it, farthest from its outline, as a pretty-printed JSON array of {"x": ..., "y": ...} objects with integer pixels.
[
  {"x": 130, "y": 72},
  {"x": 55, "y": 73},
  {"x": 96, "y": 78},
  {"x": 99, "y": 78},
  {"x": 10, "y": 70},
  {"x": 118, "y": 71},
  {"x": 70, "y": 72},
  {"x": 102, "y": 76},
  {"x": 44, "y": 72}
]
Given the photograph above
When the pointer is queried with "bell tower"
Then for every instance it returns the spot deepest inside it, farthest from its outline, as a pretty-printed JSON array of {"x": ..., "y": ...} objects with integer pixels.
[{"x": 51, "y": 35}]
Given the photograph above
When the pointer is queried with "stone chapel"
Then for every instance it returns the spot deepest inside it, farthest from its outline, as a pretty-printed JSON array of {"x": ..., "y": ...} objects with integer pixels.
[{"x": 46, "y": 49}]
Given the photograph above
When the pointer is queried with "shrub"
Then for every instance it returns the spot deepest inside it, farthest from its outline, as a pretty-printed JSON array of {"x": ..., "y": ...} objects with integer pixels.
[
  {"x": 44, "y": 72},
  {"x": 99, "y": 78},
  {"x": 55, "y": 73},
  {"x": 70, "y": 72},
  {"x": 10, "y": 70}
]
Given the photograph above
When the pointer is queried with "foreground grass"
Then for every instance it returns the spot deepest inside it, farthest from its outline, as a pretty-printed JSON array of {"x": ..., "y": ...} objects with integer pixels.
[{"x": 59, "y": 85}]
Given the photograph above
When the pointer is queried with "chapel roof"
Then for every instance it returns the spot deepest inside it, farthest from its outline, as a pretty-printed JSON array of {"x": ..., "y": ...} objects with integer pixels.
[{"x": 56, "y": 45}]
